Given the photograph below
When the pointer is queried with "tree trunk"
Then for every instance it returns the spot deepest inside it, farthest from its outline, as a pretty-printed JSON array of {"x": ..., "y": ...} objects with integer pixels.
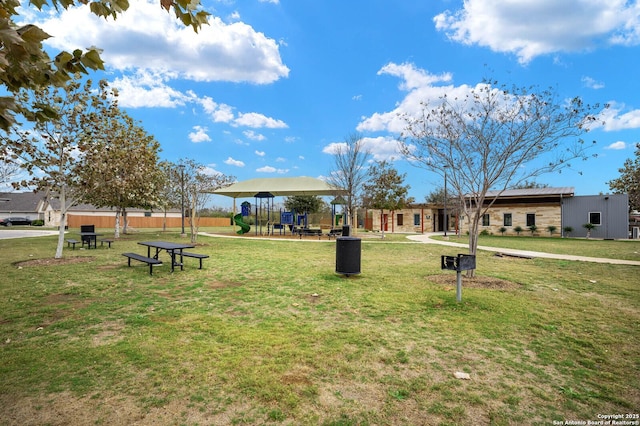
[
  {"x": 116, "y": 232},
  {"x": 473, "y": 238},
  {"x": 125, "y": 222},
  {"x": 63, "y": 223}
]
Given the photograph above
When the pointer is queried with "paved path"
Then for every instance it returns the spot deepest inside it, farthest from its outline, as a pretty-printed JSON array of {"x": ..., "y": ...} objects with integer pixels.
[
  {"x": 426, "y": 238},
  {"x": 23, "y": 233}
]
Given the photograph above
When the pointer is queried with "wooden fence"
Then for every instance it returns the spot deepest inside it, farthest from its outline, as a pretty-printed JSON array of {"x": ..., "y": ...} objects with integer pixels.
[{"x": 74, "y": 221}]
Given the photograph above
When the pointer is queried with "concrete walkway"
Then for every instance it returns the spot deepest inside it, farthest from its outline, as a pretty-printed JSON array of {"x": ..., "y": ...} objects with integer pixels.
[{"x": 426, "y": 238}]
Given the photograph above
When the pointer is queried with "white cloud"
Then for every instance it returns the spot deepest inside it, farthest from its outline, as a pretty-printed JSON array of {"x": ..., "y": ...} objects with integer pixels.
[
  {"x": 617, "y": 145},
  {"x": 147, "y": 37},
  {"x": 269, "y": 169},
  {"x": 381, "y": 148},
  {"x": 231, "y": 162},
  {"x": 210, "y": 170},
  {"x": 420, "y": 87},
  {"x": 148, "y": 89},
  {"x": 250, "y": 134},
  {"x": 529, "y": 28},
  {"x": 199, "y": 135},
  {"x": 615, "y": 119},
  {"x": 256, "y": 120},
  {"x": 592, "y": 83},
  {"x": 260, "y": 153},
  {"x": 270, "y": 1}
]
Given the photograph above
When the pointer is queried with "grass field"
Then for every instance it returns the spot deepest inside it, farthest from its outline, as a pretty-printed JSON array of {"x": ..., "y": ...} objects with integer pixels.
[{"x": 268, "y": 333}]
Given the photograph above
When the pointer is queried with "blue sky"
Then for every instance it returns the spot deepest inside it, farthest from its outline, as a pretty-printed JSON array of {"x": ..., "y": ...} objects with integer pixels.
[{"x": 271, "y": 86}]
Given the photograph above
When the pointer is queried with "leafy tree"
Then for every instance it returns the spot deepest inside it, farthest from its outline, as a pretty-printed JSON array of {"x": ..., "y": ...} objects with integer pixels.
[
  {"x": 304, "y": 203},
  {"x": 491, "y": 139},
  {"x": 123, "y": 170},
  {"x": 385, "y": 190},
  {"x": 533, "y": 229},
  {"x": 518, "y": 230},
  {"x": 629, "y": 180},
  {"x": 198, "y": 185},
  {"x": 54, "y": 153},
  {"x": 350, "y": 171},
  {"x": 502, "y": 230},
  {"x": 24, "y": 64}
]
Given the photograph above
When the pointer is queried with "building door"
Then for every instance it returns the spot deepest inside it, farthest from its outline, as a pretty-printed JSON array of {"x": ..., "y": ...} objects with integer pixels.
[{"x": 385, "y": 222}]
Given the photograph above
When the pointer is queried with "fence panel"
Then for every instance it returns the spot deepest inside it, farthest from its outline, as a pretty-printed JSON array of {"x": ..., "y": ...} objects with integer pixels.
[{"x": 74, "y": 221}]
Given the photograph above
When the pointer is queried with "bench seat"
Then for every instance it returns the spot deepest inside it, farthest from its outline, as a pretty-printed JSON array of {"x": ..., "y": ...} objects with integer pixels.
[
  {"x": 196, "y": 256},
  {"x": 71, "y": 241},
  {"x": 148, "y": 260},
  {"x": 106, "y": 240}
]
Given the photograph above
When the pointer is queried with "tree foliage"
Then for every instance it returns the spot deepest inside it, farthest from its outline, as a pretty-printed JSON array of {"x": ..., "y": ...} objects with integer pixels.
[
  {"x": 24, "y": 64},
  {"x": 629, "y": 180},
  {"x": 350, "y": 171},
  {"x": 494, "y": 138},
  {"x": 54, "y": 153},
  {"x": 304, "y": 203},
  {"x": 385, "y": 189},
  {"x": 122, "y": 169}
]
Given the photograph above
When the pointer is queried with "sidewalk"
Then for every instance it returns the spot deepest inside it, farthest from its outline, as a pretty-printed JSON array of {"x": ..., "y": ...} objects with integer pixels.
[{"x": 426, "y": 238}]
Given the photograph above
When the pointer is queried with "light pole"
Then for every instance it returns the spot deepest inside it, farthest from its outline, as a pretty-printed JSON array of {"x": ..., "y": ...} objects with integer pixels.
[
  {"x": 445, "y": 199},
  {"x": 182, "y": 198}
]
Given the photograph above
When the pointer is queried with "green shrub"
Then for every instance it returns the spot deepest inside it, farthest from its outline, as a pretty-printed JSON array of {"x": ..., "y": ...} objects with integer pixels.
[
  {"x": 37, "y": 222},
  {"x": 518, "y": 229},
  {"x": 503, "y": 230}
]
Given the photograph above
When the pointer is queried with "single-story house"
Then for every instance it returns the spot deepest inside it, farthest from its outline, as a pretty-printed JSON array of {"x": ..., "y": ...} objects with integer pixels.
[
  {"x": 542, "y": 207},
  {"x": 37, "y": 205}
]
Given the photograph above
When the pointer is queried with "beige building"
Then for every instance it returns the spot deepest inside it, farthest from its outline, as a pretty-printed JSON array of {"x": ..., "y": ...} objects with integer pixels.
[{"x": 513, "y": 208}]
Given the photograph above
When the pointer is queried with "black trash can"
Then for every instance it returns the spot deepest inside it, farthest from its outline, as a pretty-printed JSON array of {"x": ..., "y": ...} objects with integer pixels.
[
  {"x": 348, "y": 254},
  {"x": 346, "y": 230}
]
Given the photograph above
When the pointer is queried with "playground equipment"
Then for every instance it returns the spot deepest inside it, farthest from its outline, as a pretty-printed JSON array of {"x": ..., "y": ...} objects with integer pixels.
[{"x": 244, "y": 227}]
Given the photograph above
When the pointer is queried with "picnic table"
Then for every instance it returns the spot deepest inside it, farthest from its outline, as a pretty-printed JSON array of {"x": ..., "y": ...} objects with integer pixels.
[
  {"x": 90, "y": 238},
  {"x": 174, "y": 250}
]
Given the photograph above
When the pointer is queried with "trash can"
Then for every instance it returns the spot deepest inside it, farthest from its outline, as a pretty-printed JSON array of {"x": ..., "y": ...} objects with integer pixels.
[
  {"x": 346, "y": 230},
  {"x": 348, "y": 253}
]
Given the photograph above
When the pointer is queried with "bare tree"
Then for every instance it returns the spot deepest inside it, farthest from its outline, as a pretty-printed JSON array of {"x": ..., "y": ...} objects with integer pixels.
[
  {"x": 350, "y": 171},
  {"x": 198, "y": 186},
  {"x": 495, "y": 138},
  {"x": 9, "y": 172}
]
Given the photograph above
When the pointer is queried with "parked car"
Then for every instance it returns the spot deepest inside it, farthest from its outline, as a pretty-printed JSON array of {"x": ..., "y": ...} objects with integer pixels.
[{"x": 10, "y": 221}]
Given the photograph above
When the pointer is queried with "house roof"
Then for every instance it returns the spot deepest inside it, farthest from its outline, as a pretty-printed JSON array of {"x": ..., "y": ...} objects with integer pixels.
[
  {"x": 20, "y": 201},
  {"x": 565, "y": 191},
  {"x": 283, "y": 186}
]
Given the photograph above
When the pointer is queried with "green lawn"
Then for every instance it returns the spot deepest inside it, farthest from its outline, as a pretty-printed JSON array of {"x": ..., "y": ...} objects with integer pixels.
[{"x": 267, "y": 333}]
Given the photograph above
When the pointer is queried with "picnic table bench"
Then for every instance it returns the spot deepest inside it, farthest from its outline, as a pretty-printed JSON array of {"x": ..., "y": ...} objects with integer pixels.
[
  {"x": 198, "y": 256},
  {"x": 309, "y": 231},
  {"x": 71, "y": 241},
  {"x": 106, "y": 240},
  {"x": 148, "y": 260}
]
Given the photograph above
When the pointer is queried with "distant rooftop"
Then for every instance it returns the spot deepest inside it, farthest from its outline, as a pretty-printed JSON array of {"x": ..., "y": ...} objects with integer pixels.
[{"x": 565, "y": 191}]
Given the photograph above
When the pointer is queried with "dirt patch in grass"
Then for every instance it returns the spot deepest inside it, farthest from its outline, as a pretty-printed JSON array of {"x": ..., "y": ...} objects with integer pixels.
[
  {"x": 52, "y": 261},
  {"x": 490, "y": 283}
]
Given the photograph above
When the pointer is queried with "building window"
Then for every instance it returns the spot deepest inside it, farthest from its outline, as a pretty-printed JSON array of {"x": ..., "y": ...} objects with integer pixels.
[
  {"x": 595, "y": 218},
  {"x": 147, "y": 214},
  {"x": 508, "y": 219},
  {"x": 485, "y": 219},
  {"x": 531, "y": 219},
  {"x": 416, "y": 219},
  {"x": 400, "y": 219}
]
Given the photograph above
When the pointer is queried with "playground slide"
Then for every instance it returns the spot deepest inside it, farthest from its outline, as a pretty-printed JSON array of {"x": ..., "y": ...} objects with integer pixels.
[{"x": 244, "y": 227}]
